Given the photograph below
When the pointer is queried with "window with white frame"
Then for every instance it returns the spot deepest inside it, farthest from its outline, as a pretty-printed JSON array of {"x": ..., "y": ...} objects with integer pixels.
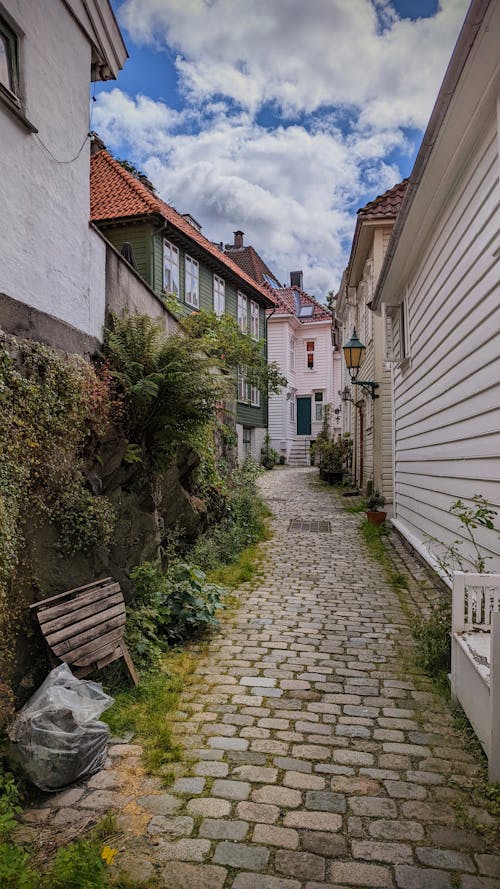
[
  {"x": 292, "y": 409},
  {"x": 291, "y": 352},
  {"x": 219, "y": 296},
  {"x": 170, "y": 268},
  {"x": 192, "y": 282},
  {"x": 242, "y": 312},
  {"x": 242, "y": 385},
  {"x": 254, "y": 319},
  {"x": 318, "y": 406},
  {"x": 255, "y": 396},
  {"x": 310, "y": 345}
]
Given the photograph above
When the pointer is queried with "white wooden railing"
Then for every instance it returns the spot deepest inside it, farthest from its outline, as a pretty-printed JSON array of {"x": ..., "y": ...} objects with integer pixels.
[{"x": 475, "y": 658}]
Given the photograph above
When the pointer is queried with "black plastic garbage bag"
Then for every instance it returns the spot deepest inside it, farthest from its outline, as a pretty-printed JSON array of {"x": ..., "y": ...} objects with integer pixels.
[{"x": 56, "y": 737}]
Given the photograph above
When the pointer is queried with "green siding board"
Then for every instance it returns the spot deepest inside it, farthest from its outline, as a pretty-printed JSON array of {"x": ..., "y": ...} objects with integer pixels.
[
  {"x": 139, "y": 236},
  {"x": 157, "y": 262},
  {"x": 206, "y": 289},
  {"x": 251, "y": 416}
]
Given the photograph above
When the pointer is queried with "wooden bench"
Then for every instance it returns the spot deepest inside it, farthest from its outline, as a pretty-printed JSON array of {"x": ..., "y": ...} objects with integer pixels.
[{"x": 84, "y": 627}]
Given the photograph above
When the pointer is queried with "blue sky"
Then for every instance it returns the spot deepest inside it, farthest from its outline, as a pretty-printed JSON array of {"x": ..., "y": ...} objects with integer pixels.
[{"x": 280, "y": 118}]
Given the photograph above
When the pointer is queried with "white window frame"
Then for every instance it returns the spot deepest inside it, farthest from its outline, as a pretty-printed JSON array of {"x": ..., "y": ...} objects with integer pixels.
[
  {"x": 192, "y": 277},
  {"x": 242, "y": 312},
  {"x": 242, "y": 394},
  {"x": 255, "y": 396},
  {"x": 318, "y": 407},
  {"x": 311, "y": 352},
  {"x": 219, "y": 286},
  {"x": 254, "y": 319},
  {"x": 291, "y": 352},
  {"x": 171, "y": 262},
  {"x": 292, "y": 409}
]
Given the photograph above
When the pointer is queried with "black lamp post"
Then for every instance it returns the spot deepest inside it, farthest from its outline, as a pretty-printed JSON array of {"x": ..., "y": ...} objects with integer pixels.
[{"x": 354, "y": 352}]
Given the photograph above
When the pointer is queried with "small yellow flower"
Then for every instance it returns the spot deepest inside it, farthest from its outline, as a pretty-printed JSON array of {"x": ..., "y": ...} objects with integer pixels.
[{"x": 108, "y": 854}]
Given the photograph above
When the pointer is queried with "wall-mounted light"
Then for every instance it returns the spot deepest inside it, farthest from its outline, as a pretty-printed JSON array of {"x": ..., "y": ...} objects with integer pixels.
[{"x": 354, "y": 352}]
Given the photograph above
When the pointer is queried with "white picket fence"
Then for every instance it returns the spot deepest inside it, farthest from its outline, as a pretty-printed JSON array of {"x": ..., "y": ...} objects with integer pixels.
[{"x": 475, "y": 658}]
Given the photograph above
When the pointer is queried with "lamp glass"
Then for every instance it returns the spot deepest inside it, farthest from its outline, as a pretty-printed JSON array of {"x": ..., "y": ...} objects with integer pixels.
[{"x": 354, "y": 351}]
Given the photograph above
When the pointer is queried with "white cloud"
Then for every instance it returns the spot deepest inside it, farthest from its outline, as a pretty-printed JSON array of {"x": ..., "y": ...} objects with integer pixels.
[
  {"x": 351, "y": 71},
  {"x": 287, "y": 188},
  {"x": 305, "y": 56}
]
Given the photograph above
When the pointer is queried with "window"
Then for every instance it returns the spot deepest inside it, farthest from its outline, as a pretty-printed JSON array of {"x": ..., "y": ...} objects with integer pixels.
[
  {"x": 254, "y": 319},
  {"x": 292, "y": 409},
  {"x": 310, "y": 354},
  {"x": 170, "y": 268},
  {"x": 291, "y": 353},
  {"x": 219, "y": 296},
  {"x": 255, "y": 396},
  {"x": 247, "y": 441},
  {"x": 242, "y": 385},
  {"x": 9, "y": 61},
  {"x": 192, "y": 283},
  {"x": 318, "y": 405},
  {"x": 242, "y": 313}
]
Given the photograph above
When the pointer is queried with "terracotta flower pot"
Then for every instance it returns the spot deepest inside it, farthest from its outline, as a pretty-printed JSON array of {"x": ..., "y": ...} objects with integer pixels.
[{"x": 376, "y": 517}]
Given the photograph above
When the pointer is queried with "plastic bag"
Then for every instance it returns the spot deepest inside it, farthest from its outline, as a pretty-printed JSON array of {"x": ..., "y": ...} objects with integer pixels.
[{"x": 56, "y": 737}]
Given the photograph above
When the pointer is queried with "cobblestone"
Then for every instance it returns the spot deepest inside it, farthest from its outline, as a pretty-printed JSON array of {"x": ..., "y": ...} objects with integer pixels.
[{"x": 317, "y": 760}]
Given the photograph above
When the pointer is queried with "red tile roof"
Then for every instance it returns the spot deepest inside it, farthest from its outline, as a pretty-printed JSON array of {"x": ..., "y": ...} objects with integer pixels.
[
  {"x": 117, "y": 194},
  {"x": 286, "y": 300},
  {"x": 386, "y": 204},
  {"x": 251, "y": 263}
]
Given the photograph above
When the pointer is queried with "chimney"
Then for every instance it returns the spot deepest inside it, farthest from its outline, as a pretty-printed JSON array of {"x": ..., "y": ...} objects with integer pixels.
[
  {"x": 238, "y": 239},
  {"x": 296, "y": 280}
]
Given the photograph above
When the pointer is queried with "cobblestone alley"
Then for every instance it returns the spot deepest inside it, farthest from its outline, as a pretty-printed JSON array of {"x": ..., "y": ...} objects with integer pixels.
[{"x": 318, "y": 762}]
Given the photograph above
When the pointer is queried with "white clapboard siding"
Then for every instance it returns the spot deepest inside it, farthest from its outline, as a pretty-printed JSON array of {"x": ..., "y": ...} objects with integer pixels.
[{"x": 447, "y": 402}]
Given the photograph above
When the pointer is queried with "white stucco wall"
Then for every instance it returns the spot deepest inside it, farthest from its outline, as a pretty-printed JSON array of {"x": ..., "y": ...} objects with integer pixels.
[{"x": 49, "y": 258}]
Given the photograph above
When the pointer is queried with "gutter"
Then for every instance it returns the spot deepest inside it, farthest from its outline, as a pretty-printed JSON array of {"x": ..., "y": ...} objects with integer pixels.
[{"x": 466, "y": 39}]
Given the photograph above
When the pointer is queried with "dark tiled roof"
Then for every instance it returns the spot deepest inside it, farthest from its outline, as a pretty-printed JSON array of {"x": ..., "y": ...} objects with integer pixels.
[
  {"x": 386, "y": 204},
  {"x": 251, "y": 263},
  {"x": 286, "y": 305},
  {"x": 117, "y": 194}
]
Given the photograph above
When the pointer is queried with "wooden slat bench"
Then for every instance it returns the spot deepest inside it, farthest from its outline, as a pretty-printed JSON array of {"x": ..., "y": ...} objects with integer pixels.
[{"x": 84, "y": 627}]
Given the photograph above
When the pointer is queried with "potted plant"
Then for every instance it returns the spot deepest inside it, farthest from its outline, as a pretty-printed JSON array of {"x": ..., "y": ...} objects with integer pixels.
[
  {"x": 268, "y": 456},
  {"x": 373, "y": 507},
  {"x": 332, "y": 462}
]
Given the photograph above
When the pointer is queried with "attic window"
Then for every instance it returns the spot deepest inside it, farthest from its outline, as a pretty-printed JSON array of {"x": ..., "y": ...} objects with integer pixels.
[
  {"x": 272, "y": 283},
  {"x": 306, "y": 311}
]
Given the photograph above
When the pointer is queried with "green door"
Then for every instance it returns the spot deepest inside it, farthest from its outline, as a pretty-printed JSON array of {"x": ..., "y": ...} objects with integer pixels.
[{"x": 303, "y": 416}]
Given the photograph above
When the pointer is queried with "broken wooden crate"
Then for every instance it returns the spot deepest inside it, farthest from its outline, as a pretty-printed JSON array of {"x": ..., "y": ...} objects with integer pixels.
[{"x": 84, "y": 627}]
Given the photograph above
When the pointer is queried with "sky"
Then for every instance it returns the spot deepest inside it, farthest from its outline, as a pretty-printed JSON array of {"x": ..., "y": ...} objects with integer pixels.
[{"x": 277, "y": 117}]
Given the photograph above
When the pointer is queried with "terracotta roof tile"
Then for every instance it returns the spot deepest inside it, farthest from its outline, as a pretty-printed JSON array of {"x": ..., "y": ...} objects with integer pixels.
[
  {"x": 251, "y": 263},
  {"x": 386, "y": 204},
  {"x": 117, "y": 194},
  {"x": 286, "y": 305}
]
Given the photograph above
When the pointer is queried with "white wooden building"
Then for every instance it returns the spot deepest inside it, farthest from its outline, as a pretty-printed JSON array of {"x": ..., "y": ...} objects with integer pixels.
[
  {"x": 369, "y": 422},
  {"x": 440, "y": 286},
  {"x": 300, "y": 341}
]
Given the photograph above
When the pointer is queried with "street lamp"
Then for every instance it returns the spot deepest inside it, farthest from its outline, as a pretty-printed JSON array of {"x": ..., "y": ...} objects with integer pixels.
[{"x": 354, "y": 352}]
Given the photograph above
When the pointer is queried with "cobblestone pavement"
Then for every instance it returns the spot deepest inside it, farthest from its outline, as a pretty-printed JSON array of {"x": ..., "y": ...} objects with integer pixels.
[{"x": 318, "y": 760}]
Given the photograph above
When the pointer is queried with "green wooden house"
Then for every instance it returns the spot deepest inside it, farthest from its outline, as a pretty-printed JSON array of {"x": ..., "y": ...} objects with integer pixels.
[{"x": 169, "y": 251}]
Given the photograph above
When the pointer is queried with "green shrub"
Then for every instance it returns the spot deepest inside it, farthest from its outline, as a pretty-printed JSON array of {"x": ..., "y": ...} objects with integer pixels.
[
  {"x": 433, "y": 637},
  {"x": 170, "y": 605}
]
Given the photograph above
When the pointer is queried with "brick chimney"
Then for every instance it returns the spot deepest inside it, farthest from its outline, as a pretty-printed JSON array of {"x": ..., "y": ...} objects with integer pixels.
[
  {"x": 296, "y": 280},
  {"x": 238, "y": 239}
]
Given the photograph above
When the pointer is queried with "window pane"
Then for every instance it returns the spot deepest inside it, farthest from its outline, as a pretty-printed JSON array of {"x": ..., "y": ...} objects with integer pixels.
[
  {"x": 310, "y": 346},
  {"x": 6, "y": 63}
]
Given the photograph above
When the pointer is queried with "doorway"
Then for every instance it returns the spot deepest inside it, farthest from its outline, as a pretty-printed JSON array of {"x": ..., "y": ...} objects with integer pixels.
[{"x": 303, "y": 416}]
